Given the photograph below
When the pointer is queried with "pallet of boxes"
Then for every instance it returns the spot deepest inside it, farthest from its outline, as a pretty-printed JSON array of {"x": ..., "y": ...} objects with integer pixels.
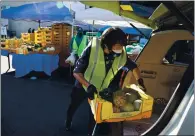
[
  {"x": 129, "y": 103},
  {"x": 61, "y": 38}
]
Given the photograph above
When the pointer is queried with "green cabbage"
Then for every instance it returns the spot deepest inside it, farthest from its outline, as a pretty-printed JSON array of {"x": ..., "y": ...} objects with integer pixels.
[
  {"x": 131, "y": 97},
  {"x": 127, "y": 107}
]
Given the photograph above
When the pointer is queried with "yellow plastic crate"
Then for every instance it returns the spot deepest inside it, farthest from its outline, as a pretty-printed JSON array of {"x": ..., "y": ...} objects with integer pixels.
[
  {"x": 7, "y": 42},
  {"x": 38, "y": 42},
  {"x": 48, "y": 42},
  {"x": 47, "y": 33},
  {"x": 38, "y": 33},
  {"x": 103, "y": 110},
  {"x": 13, "y": 43},
  {"x": 38, "y": 37},
  {"x": 44, "y": 28},
  {"x": 27, "y": 37}
]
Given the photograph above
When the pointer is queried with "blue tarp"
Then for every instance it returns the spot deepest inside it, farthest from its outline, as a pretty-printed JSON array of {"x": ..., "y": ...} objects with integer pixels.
[
  {"x": 24, "y": 64},
  {"x": 130, "y": 30},
  {"x": 52, "y": 11},
  {"x": 4, "y": 53}
]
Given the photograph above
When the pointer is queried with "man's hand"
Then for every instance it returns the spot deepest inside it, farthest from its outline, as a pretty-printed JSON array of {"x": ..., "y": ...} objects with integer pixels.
[{"x": 91, "y": 90}]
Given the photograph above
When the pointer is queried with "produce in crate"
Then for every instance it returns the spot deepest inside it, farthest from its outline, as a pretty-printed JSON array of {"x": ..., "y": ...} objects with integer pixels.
[
  {"x": 47, "y": 49},
  {"x": 37, "y": 47},
  {"x": 131, "y": 97},
  {"x": 137, "y": 104},
  {"x": 128, "y": 107},
  {"x": 106, "y": 111},
  {"x": 30, "y": 48},
  {"x": 119, "y": 99},
  {"x": 22, "y": 50},
  {"x": 116, "y": 109},
  {"x": 126, "y": 100},
  {"x": 3, "y": 45}
]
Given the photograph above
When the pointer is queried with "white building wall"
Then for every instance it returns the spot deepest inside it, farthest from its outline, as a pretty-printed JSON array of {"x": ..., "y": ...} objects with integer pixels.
[{"x": 23, "y": 26}]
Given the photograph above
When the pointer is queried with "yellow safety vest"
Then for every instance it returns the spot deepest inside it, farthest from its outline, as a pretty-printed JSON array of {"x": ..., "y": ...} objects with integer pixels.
[
  {"x": 78, "y": 49},
  {"x": 96, "y": 71}
]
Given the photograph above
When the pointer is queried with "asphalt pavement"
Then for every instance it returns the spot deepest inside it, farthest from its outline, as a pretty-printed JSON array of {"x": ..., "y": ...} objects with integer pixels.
[{"x": 37, "y": 107}]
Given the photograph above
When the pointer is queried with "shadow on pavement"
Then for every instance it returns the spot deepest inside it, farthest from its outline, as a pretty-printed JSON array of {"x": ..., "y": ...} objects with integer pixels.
[{"x": 38, "y": 107}]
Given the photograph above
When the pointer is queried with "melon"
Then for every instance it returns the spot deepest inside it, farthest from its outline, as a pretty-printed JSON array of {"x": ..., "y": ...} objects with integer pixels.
[
  {"x": 119, "y": 98},
  {"x": 127, "y": 107},
  {"x": 137, "y": 104},
  {"x": 119, "y": 101},
  {"x": 116, "y": 109},
  {"x": 131, "y": 97}
]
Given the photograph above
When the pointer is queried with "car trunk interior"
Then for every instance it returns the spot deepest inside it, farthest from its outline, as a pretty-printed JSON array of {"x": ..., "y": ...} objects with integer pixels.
[{"x": 160, "y": 62}]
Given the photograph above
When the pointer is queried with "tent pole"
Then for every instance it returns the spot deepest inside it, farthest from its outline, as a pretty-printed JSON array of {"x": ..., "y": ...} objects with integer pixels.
[
  {"x": 39, "y": 23},
  {"x": 92, "y": 28},
  {"x": 72, "y": 34},
  {"x": 72, "y": 28}
]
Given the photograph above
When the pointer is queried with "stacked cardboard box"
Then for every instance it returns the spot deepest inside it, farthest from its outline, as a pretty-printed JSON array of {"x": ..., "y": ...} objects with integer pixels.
[
  {"x": 47, "y": 36},
  {"x": 61, "y": 38},
  {"x": 38, "y": 37},
  {"x": 57, "y": 34}
]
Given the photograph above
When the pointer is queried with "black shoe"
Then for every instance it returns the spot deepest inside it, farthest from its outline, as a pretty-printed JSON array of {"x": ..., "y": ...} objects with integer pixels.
[{"x": 68, "y": 125}]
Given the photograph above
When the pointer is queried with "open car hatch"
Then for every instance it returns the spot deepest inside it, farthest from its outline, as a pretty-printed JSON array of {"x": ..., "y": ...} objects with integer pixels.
[{"x": 154, "y": 14}]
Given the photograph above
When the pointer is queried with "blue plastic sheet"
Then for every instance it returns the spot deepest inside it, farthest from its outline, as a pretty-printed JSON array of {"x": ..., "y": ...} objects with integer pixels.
[
  {"x": 24, "y": 64},
  {"x": 130, "y": 30},
  {"x": 50, "y": 11},
  {"x": 4, "y": 53}
]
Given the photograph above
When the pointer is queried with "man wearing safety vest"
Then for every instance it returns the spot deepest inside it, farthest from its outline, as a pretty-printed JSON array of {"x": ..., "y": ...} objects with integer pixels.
[
  {"x": 78, "y": 43},
  {"x": 95, "y": 69}
]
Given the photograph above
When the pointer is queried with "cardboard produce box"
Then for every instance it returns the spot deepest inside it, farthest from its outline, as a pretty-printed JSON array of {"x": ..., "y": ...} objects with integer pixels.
[{"x": 103, "y": 110}]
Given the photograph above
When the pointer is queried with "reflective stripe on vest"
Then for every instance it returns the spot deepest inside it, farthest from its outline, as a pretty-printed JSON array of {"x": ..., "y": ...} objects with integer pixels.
[
  {"x": 79, "y": 49},
  {"x": 96, "y": 72}
]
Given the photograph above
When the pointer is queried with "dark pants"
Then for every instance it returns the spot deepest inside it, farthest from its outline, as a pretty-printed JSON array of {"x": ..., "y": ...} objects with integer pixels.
[{"x": 78, "y": 95}]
